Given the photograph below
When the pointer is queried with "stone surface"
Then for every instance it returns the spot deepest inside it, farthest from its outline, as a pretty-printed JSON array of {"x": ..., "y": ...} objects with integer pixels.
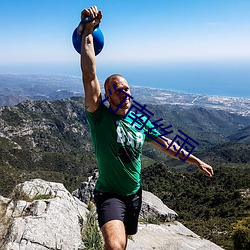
[
  {"x": 85, "y": 192},
  {"x": 153, "y": 206},
  {"x": 54, "y": 222},
  {"x": 44, "y": 215},
  {"x": 169, "y": 236}
]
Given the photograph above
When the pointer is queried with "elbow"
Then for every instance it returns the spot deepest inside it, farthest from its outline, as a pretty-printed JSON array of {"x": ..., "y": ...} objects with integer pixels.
[{"x": 88, "y": 77}]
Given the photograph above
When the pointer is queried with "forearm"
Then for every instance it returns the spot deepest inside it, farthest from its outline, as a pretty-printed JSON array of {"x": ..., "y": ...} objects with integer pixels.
[
  {"x": 174, "y": 149},
  {"x": 88, "y": 63},
  {"x": 175, "y": 152}
]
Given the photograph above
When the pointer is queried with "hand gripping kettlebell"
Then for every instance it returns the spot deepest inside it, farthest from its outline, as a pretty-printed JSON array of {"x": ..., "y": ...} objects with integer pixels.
[{"x": 98, "y": 37}]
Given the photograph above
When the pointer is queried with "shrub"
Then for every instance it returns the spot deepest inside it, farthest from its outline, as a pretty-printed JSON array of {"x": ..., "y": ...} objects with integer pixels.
[
  {"x": 91, "y": 235},
  {"x": 241, "y": 234}
]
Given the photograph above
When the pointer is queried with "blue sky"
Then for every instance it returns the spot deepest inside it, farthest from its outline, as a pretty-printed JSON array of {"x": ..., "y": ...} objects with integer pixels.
[{"x": 35, "y": 35}]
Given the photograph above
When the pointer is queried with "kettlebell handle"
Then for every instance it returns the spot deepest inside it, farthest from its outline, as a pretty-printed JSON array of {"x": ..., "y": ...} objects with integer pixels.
[
  {"x": 97, "y": 37},
  {"x": 86, "y": 20}
]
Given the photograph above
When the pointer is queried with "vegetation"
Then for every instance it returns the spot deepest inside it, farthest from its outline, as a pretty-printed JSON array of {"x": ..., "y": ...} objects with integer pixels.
[
  {"x": 91, "y": 235},
  {"x": 151, "y": 220},
  {"x": 5, "y": 222},
  {"x": 208, "y": 206},
  {"x": 51, "y": 141},
  {"x": 241, "y": 234}
]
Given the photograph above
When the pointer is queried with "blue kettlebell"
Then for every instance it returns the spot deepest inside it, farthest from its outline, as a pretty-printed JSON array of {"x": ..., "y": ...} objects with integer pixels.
[{"x": 98, "y": 37}]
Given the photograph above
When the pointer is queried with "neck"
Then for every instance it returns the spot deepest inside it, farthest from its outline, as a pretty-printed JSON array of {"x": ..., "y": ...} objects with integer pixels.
[{"x": 120, "y": 110}]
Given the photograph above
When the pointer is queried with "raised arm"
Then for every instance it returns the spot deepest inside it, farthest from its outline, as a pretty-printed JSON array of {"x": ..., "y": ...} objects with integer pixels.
[
  {"x": 88, "y": 61},
  {"x": 205, "y": 168}
]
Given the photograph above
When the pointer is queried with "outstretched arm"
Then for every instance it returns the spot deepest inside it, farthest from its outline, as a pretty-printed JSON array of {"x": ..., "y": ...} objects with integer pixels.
[
  {"x": 88, "y": 63},
  {"x": 205, "y": 168}
]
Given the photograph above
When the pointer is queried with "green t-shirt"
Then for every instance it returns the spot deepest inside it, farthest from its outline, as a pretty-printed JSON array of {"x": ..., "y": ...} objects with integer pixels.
[{"x": 118, "y": 148}]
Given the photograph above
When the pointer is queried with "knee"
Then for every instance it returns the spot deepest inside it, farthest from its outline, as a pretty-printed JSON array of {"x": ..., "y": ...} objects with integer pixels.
[{"x": 115, "y": 245}]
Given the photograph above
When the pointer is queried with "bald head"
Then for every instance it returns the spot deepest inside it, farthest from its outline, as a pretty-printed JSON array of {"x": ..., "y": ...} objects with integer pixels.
[{"x": 113, "y": 79}]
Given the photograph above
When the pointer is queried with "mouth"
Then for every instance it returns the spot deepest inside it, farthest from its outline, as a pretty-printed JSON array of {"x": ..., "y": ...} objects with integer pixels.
[{"x": 126, "y": 101}]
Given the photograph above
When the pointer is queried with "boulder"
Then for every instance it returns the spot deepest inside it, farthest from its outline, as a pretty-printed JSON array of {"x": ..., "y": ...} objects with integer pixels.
[
  {"x": 43, "y": 215},
  {"x": 85, "y": 192},
  {"x": 168, "y": 236},
  {"x": 152, "y": 206}
]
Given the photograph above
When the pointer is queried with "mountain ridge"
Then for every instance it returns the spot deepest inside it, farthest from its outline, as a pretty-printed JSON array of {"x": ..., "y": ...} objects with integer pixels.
[
  {"x": 54, "y": 135},
  {"x": 51, "y": 140}
]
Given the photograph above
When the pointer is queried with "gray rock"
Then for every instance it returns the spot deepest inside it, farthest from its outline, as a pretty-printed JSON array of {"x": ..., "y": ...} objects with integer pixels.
[
  {"x": 85, "y": 192},
  {"x": 46, "y": 216},
  {"x": 152, "y": 206},
  {"x": 169, "y": 236}
]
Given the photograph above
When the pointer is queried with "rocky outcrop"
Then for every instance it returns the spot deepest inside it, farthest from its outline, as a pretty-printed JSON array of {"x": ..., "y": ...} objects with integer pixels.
[
  {"x": 85, "y": 192},
  {"x": 168, "y": 236},
  {"x": 43, "y": 215},
  {"x": 152, "y": 206}
]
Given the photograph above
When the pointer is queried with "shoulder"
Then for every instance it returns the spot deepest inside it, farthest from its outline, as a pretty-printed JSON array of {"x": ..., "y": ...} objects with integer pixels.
[
  {"x": 99, "y": 114},
  {"x": 100, "y": 109}
]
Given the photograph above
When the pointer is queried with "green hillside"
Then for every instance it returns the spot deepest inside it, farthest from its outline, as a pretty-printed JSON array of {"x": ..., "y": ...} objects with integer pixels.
[
  {"x": 208, "y": 206},
  {"x": 51, "y": 140}
]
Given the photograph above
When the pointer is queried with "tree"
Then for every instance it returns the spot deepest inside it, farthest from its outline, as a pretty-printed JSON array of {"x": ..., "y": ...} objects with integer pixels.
[{"x": 241, "y": 234}]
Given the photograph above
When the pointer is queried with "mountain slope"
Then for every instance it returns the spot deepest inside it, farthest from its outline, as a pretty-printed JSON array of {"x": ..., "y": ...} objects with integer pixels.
[
  {"x": 51, "y": 140},
  {"x": 47, "y": 138},
  {"x": 241, "y": 136},
  {"x": 15, "y": 88},
  {"x": 53, "y": 137}
]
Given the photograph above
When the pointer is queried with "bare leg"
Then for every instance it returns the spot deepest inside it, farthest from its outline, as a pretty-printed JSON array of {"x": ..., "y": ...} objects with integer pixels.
[{"x": 114, "y": 235}]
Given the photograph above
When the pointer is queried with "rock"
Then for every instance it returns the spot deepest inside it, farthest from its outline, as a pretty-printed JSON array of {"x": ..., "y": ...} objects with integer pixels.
[
  {"x": 245, "y": 193},
  {"x": 85, "y": 192},
  {"x": 152, "y": 206},
  {"x": 169, "y": 236},
  {"x": 44, "y": 215},
  {"x": 4, "y": 215}
]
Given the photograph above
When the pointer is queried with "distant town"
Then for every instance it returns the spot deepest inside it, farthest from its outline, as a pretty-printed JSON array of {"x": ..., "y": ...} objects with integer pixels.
[
  {"x": 16, "y": 88},
  {"x": 158, "y": 96}
]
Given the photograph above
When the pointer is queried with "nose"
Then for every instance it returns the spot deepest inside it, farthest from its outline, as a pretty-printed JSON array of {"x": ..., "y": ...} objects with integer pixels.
[{"x": 122, "y": 94}]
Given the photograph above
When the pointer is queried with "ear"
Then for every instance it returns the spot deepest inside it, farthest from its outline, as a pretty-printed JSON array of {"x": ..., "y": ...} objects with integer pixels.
[{"x": 107, "y": 95}]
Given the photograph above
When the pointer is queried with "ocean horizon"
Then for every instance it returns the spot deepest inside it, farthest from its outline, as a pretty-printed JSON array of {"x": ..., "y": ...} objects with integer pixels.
[
  {"x": 213, "y": 79},
  {"x": 229, "y": 80}
]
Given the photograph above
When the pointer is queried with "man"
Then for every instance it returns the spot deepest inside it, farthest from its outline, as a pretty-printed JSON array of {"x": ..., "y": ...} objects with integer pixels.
[{"x": 118, "y": 145}]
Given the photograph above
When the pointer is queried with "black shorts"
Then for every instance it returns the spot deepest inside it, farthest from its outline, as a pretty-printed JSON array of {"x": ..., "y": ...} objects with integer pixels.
[{"x": 117, "y": 207}]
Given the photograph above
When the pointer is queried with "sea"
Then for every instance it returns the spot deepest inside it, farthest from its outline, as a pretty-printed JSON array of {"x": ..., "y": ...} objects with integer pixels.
[
  {"x": 231, "y": 79},
  {"x": 228, "y": 79}
]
